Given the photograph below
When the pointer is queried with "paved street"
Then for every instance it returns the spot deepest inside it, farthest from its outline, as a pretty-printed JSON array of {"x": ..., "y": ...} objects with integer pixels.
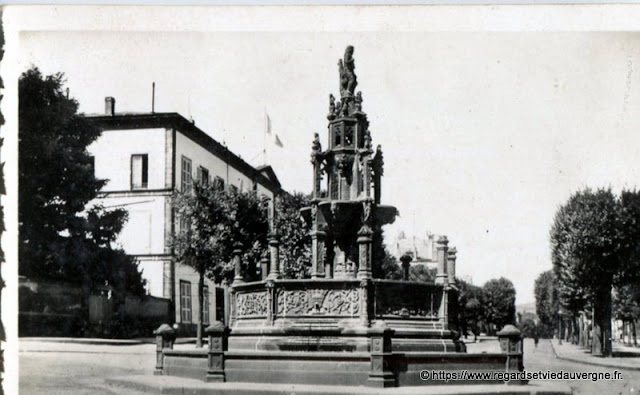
[
  {"x": 69, "y": 368},
  {"x": 543, "y": 358}
]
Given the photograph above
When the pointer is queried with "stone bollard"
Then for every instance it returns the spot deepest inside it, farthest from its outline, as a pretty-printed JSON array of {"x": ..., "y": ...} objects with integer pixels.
[
  {"x": 511, "y": 344},
  {"x": 380, "y": 375},
  {"x": 217, "y": 345},
  {"x": 165, "y": 336}
]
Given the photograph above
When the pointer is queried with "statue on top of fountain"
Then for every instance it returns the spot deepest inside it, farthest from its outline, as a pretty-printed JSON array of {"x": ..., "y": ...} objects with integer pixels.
[{"x": 348, "y": 79}]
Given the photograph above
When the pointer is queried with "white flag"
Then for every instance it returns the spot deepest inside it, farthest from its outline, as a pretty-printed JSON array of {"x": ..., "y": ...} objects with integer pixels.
[{"x": 278, "y": 142}]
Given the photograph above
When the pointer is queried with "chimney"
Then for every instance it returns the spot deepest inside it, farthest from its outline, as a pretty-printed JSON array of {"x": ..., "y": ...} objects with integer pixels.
[{"x": 109, "y": 105}]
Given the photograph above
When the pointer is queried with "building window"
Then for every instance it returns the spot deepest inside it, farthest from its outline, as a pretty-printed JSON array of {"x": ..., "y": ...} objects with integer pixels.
[
  {"x": 187, "y": 180},
  {"x": 205, "y": 305},
  {"x": 203, "y": 175},
  {"x": 218, "y": 183},
  {"x": 233, "y": 188},
  {"x": 185, "y": 301},
  {"x": 139, "y": 171}
]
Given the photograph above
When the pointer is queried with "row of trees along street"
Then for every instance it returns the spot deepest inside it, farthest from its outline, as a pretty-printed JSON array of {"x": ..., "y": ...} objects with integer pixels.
[{"x": 595, "y": 251}]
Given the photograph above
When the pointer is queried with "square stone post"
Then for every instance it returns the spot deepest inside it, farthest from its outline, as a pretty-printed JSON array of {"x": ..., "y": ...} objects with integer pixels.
[
  {"x": 365, "y": 287},
  {"x": 443, "y": 279},
  {"x": 237, "y": 263},
  {"x": 165, "y": 336},
  {"x": 274, "y": 266},
  {"x": 318, "y": 238},
  {"x": 380, "y": 375},
  {"x": 328, "y": 258},
  {"x": 441, "y": 275},
  {"x": 217, "y": 346},
  {"x": 451, "y": 265},
  {"x": 364, "y": 254}
]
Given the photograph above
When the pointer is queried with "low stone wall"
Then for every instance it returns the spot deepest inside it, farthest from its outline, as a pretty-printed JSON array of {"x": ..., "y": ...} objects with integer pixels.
[
  {"x": 324, "y": 368},
  {"x": 380, "y": 366}
]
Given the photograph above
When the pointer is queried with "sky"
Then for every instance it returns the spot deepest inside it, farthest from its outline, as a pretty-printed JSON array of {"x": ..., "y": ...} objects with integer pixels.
[{"x": 485, "y": 132}]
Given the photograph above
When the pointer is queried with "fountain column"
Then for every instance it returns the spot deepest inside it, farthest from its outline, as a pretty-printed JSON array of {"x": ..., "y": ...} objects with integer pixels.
[
  {"x": 451, "y": 265},
  {"x": 442, "y": 279},
  {"x": 441, "y": 276},
  {"x": 274, "y": 244},
  {"x": 237, "y": 263},
  {"x": 364, "y": 254},
  {"x": 274, "y": 265},
  {"x": 317, "y": 253}
]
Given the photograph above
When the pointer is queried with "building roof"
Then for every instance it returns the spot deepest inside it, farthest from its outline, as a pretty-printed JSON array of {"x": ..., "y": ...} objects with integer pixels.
[
  {"x": 264, "y": 175},
  {"x": 268, "y": 172}
]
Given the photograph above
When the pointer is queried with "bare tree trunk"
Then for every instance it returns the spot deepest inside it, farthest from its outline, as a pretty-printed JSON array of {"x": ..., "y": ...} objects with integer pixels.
[
  {"x": 201, "y": 305},
  {"x": 601, "y": 345}
]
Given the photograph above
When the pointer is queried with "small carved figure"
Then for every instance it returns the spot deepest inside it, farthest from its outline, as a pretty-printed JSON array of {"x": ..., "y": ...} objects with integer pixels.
[
  {"x": 378, "y": 161},
  {"x": 366, "y": 212},
  {"x": 332, "y": 104},
  {"x": 359, "y": 101},
  {"x": 316, "y": 146}
]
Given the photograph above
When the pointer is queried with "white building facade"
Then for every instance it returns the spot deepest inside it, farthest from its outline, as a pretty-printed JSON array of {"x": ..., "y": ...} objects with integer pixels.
[{"x": 145, "y": 158}]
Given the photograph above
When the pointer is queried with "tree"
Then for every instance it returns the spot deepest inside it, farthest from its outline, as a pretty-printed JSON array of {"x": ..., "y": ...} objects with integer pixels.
[
  {"x": 386, "y": 265},
  {"x": 61, "y": 236},
  {"x": 499, "y": 303},
  {"x": 212, "y": 221},
  {"x": 528, "y": 326},
  {"x": 547, "y": 301},
  {"x": 586, "y": 242},
  {"x": 293, "y": 234},
  {"x": 422, "y": 273},
  {"x": 470, "y": 302}
]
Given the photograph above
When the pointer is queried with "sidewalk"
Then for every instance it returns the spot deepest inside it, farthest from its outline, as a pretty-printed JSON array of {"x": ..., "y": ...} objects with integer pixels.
[
  {"x": 100, "y": 341},
  {"x": 629, "y": 357},
  {"x": 179, "y": 385}
]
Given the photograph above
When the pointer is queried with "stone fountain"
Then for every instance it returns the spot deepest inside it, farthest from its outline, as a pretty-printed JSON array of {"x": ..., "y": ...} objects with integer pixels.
[{"x": 343, "y": 325}]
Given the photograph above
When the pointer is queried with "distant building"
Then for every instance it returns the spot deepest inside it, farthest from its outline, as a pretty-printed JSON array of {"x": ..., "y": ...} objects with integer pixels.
[
  {"x": 422, "y": 250},
  {"x": 146, "y": 157}
]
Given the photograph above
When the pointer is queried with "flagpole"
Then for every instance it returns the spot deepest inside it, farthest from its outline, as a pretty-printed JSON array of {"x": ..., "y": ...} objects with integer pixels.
[{"x": 264, "y": 138}]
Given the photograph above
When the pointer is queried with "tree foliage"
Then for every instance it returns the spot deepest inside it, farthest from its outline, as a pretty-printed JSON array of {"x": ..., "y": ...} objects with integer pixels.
[
  {"x": 422, "y": 273},
  {"x": 61, "y": 238},
  {"x": 499, "y": 302},
  {"x": 547, "y": 301},
  {"x": 293, "y": 234},
  {"x": 470, "y": 304},
  {"x": 211, "y": 222},
  {"x": 386, "y": 266}
]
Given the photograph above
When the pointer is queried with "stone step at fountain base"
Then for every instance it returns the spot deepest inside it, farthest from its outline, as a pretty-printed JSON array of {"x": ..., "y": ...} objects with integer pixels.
[{"x": 334, "y": 368}]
